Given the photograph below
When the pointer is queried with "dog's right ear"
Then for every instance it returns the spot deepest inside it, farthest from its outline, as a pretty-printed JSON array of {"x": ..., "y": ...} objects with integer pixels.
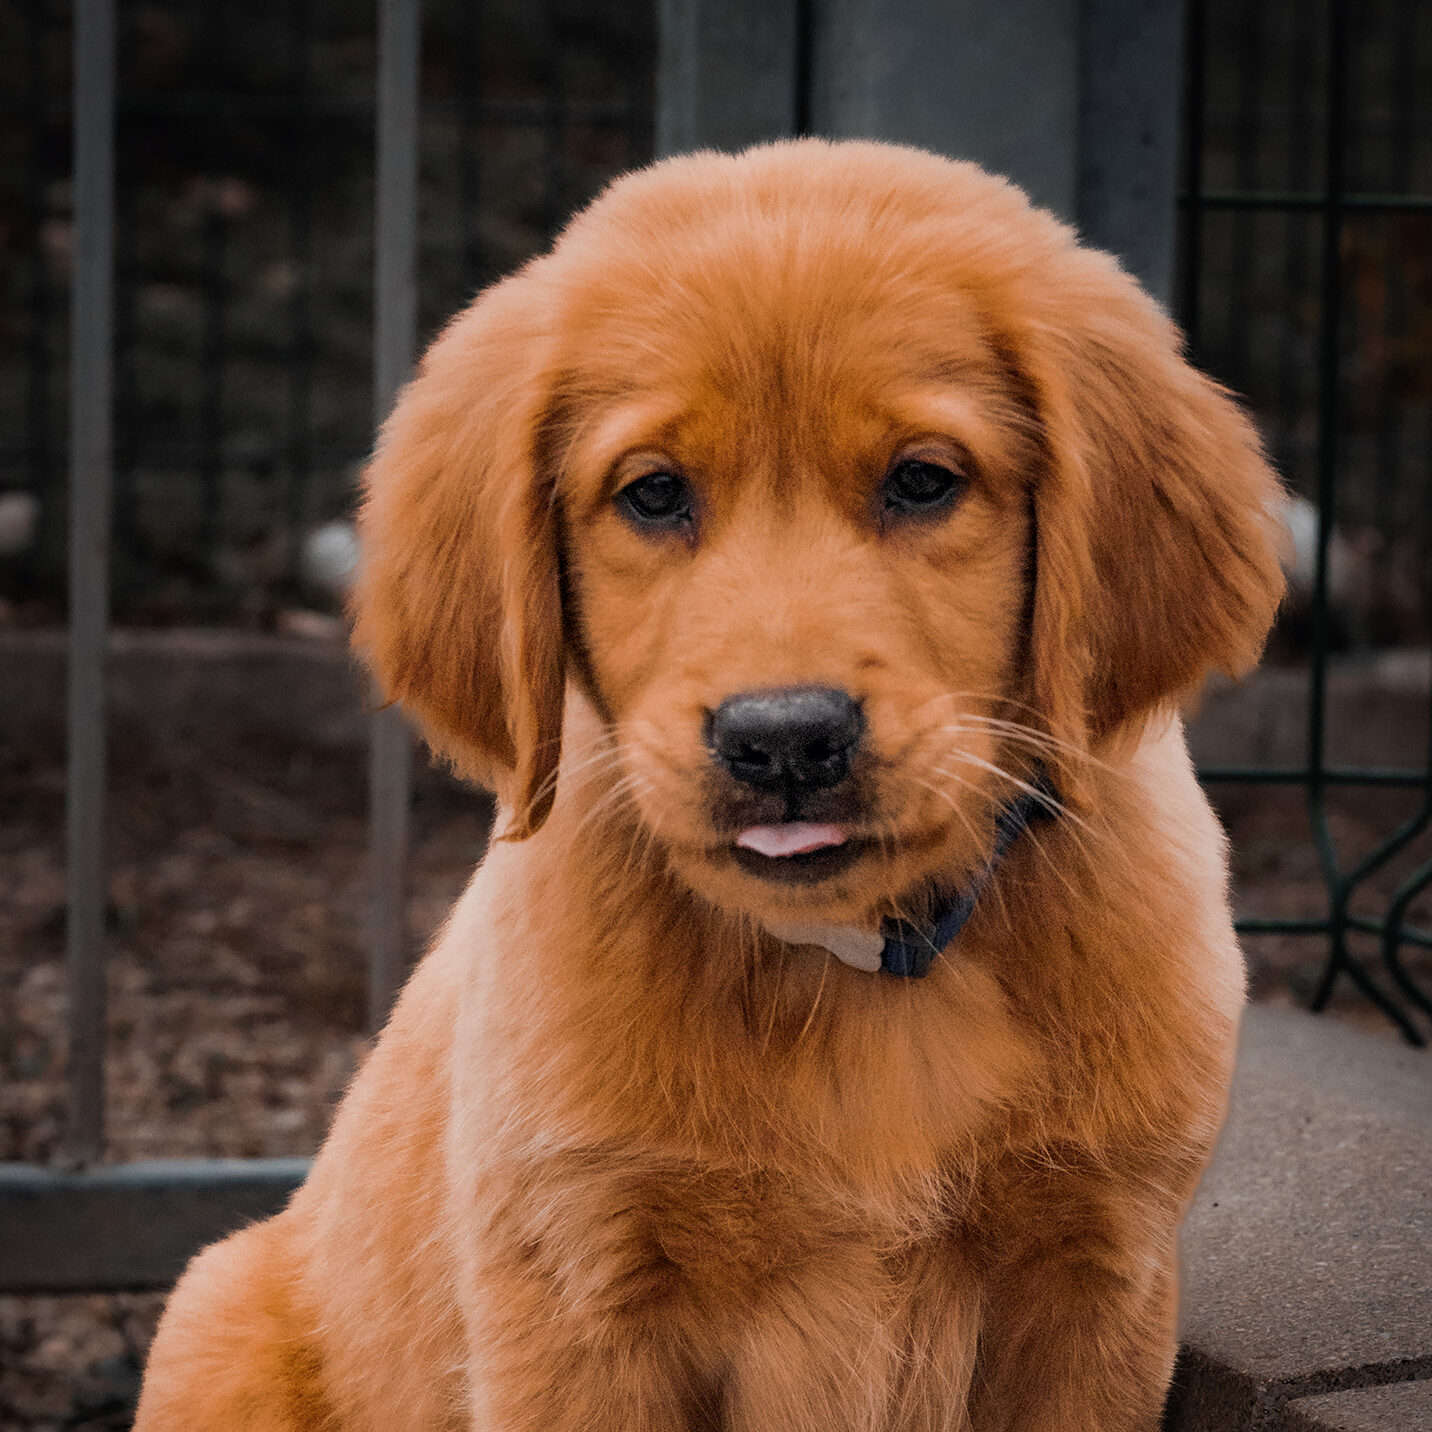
[{"x": 457, "y": 605}]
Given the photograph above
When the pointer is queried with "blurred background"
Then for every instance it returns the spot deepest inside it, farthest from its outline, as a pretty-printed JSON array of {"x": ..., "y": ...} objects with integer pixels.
[
  {"x": 244, "y": 264},
  {"x": 237, "y": 733}
]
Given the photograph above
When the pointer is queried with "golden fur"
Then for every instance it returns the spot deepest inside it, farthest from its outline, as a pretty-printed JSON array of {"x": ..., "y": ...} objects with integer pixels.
[{"x": 621, "y": 1159}]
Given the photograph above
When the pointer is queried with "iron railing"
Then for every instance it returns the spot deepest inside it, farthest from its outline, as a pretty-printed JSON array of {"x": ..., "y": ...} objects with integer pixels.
[
  {"x": 1326, "y": 196},
  {"x": 243, "y": 155},
  {"x": 84, "y": 1225}
]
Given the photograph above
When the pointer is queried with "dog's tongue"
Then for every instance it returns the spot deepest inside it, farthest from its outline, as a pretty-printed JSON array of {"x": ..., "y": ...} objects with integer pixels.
[{"x": 794, "y": 838}]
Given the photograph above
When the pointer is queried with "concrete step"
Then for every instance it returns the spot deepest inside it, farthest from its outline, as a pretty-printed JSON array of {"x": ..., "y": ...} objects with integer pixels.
[{"x": 1307, "y": 1290}]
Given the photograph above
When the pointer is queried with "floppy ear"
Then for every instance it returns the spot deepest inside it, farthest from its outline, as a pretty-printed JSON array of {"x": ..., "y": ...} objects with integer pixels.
[
  {"x": 457, "y": 606},
  {"x": 1155, "y": 515}
]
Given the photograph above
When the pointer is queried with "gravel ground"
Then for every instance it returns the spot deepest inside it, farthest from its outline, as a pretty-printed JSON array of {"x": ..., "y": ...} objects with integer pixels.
[{"x": 236, "y": 986}]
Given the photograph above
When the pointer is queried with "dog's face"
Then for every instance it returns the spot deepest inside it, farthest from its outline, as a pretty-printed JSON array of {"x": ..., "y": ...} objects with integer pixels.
[
  {"x": 849, "y": 489},
  {"x": 797, "y": 544}
]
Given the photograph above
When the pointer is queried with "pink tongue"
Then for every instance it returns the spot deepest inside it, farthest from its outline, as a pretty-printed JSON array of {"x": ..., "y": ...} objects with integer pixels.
[{"x": 795, "y": 838}]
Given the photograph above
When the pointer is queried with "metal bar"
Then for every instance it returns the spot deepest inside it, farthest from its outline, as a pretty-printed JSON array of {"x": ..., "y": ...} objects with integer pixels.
[
  {"x": 1292, "y": 367},
  {"x": 1340, "y": 884},
  {"x": 395, "y": 320},
  {"x": 1191, "y": 276},
  {"x": 1300, "y": 775},
  {"x": 1315, "y": 203},
  {"x": 1364, "y": 924},
  {"x": 125, "y": 539},
  {"x": 91, "y": 379},
  {"x": 469, "y": 69},
  {"x": 1403, "y": 836},
  {"x": 1395, "y": 931},
  {"x": 131, "y": 1226},
  {"x": 804, "y": 66},
  {"x": 1329, "y": 380},
  {"x": 1330, "y": 205},
  {"x": 595, "y": 114},
  {"x": 554, "y": 207},
  {"x": 1242, "y": 277},
  {"x": 1408, "y": 935},
  {"x": 213, "y": 350},
  {"x": 1258, "y": 925},
  {"x": 303, "y": 181},
  {"x": 35, "y": 457}
]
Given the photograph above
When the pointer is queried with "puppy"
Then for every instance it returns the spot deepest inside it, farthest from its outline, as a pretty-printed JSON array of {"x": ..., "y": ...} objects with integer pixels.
[{"x": 811, "y": 551}]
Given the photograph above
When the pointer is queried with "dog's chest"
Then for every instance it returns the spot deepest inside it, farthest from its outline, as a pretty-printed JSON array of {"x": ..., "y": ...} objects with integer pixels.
[{"x": 620, "y": 1228}]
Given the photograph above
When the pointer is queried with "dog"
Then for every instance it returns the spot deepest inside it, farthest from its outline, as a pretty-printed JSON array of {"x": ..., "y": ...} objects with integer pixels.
[{"x": 813, "y": 551}]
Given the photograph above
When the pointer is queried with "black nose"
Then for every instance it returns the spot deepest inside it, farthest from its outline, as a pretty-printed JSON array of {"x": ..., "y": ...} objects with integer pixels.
[{"x": 802, "y": 737}]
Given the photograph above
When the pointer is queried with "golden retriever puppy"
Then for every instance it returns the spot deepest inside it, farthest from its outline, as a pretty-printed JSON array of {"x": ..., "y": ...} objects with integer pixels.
[{"x": 811, "y": 551}]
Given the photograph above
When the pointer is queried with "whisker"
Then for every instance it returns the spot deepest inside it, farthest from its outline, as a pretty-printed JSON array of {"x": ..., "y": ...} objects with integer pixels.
[
  {"x": 1075, "y": 834},
  {"x": 609, "y": 800},
  {"x": 1031, "y": 735},
  {"x": 1076, "y": 753},
  {"x": 954, "y": 805},
  {"x": 566, "y": 771},
  {"x": 1046, "y": 799}
]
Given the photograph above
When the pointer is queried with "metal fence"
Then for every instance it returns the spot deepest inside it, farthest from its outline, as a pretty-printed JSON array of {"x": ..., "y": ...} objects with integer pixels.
[
  {"x": 1307, "y": 284},
  {"x": 1299, "y": 232},
  {"x": 243, "y": 258},
  {"x": 86, "y": 1226}
]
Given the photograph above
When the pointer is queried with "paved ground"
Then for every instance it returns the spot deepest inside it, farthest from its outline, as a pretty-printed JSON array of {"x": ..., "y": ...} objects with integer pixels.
[{"x": 1307, "y": 1297}]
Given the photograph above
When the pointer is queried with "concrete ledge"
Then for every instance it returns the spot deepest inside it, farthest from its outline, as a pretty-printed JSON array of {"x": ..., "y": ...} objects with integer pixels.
[
  {"x": 1403, "y": 1406},
  {"x": 231, "y": 684},
  {"x": 1307, "y": 1293},
  {"x": 239, "y": 684},
  {"x": 128, "y": 1226}
]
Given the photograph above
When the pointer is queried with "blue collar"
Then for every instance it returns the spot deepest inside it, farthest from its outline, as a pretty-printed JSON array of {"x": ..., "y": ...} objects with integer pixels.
[{"x": 910, "y": 949}]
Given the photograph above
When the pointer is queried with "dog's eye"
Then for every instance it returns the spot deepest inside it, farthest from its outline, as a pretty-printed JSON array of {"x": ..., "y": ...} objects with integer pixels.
[
  {"x": 660, "y": 499},
  {"x": 913, "y": 487}
]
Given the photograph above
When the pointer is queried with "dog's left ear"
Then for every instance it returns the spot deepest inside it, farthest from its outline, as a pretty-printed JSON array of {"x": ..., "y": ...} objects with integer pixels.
[
  {"x": 1156, "y": 542},
  {"x": 457, "y": 607}
]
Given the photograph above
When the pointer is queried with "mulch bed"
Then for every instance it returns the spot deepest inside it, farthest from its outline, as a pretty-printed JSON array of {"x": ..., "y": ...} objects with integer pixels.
[{"x": 237, "y": 978}]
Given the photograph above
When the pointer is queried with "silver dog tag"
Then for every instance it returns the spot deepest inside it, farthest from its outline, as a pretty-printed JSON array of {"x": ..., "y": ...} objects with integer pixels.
[{"x": 860, "y": 949}]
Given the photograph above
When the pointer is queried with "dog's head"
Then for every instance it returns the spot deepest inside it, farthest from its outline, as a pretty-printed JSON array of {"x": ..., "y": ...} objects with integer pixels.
[{"x": 849, "y": 489}]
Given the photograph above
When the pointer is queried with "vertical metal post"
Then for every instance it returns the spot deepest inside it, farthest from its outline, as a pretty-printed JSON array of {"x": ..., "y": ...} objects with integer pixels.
[
  {"x": 1340, "y": 883},
  {"x": 302, "y": 185},
  {"x": 728, "y": 73},
  {"x": 1126, "y": 196},
  {"x": 1329, "y": 455},
  {"x": 91, "y": 379},
  {"x": 394, "y": 330},
  {"x": 993, "y": 82},
  {"x": 1190, "y": 285}
]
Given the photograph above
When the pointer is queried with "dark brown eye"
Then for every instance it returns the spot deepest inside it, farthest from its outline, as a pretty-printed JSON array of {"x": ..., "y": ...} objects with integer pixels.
[
  {"x": 914, "y": 487},
  {"x": 660, "y": 499}
]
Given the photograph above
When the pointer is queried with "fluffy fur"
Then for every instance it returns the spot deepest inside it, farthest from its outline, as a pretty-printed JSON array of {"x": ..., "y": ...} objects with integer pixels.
[{"x": 620, "y": 1158}]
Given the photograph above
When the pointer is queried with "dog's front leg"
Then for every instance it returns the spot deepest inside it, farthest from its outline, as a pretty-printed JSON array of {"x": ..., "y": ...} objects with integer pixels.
[
  {"x": 601, "y": 1303},
  {"x": 1077, "y": 1343},
  {"x": 579, "y": 1320},
  {"x": 536, "y": 1369},
  {"x": 858, "y": 1341},
  {"x": 844, "y": 1339}
]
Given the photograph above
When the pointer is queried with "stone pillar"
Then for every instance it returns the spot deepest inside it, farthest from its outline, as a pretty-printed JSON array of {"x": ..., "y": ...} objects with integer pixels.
[
  {"x": 1130, "y": 68},
  {"x": 996, "y": 81},
  {"x": 727, "y": 73},
  {"x": 1075, "y": 100}
]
